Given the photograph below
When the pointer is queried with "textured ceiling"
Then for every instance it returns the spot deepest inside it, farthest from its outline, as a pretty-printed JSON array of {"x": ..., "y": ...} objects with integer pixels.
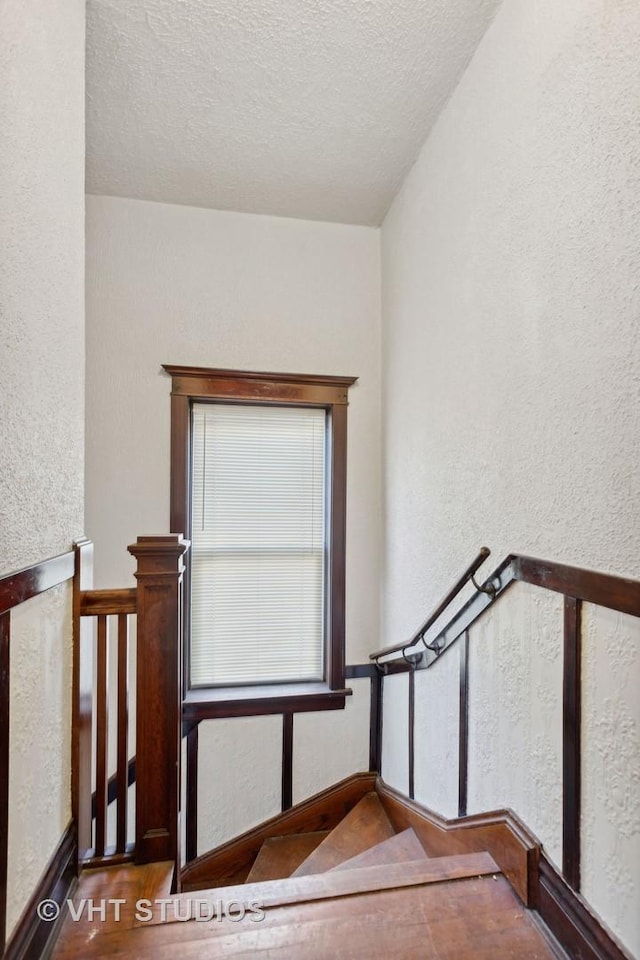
[{"x": 303, "y": 108}]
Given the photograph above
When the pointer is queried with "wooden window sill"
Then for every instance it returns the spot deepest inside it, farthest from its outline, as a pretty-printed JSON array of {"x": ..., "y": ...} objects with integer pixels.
[{"x": 215, "y": 702}]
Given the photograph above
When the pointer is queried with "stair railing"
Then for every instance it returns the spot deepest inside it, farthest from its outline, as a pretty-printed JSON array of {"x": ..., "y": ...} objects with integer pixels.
[
  {"x": 577, "y": 586},
  {"x": 449, "y": 597},
  {"x": 104, "y": 661}
]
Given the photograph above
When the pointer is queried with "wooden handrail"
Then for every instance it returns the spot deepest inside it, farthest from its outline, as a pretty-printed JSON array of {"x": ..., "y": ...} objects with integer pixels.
[
  {"x": 590, "y": 586},
  {"x": 21, "y": 585},
  {"x": 483, "y": 553},
  {"x": 107, "y": 602}
]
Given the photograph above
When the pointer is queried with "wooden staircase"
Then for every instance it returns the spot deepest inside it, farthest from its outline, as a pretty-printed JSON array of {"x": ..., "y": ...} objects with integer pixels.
[{"x": 362, "y": 889}]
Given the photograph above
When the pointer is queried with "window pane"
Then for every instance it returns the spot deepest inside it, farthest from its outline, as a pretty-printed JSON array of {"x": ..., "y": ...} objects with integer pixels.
[{"x": 257, "y": 586}]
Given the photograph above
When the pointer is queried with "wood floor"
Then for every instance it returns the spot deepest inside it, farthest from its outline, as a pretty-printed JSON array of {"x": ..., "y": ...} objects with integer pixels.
[
  {"x": 477, "y": 917},
  {"x": 359, "y": 891}
]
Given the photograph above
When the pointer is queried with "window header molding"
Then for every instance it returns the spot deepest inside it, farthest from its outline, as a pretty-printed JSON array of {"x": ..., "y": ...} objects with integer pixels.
[{"x": 308, "y": 389}]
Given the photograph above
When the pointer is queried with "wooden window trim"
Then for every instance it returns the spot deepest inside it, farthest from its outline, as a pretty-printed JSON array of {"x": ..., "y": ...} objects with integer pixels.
[{"x": 189, "y": 384}]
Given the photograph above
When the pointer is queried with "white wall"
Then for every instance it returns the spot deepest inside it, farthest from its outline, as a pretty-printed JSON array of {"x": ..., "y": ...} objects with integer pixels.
[
  {"x": 40, "y": 739},
  {"x": 511, "y": 400},
  {"x": 515, "y": 712},
  {"x": 511, "y": 360},
  {"x": 41, "y": 278},
  {"x": 41, "y": 428},
  {"x": 175, "y": 284},
  {"x": 610, "y": 832}
]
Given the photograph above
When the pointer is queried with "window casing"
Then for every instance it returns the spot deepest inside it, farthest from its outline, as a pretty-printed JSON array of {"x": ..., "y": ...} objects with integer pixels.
[{"x": 195, "y": 391}]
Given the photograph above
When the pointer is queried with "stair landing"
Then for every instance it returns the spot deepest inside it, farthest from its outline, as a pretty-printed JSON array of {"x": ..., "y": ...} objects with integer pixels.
[{"x": 471, "y": 917}]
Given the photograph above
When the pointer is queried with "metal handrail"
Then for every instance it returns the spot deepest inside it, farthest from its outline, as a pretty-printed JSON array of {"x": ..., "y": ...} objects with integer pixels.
[{"x": 483, "y": 553}]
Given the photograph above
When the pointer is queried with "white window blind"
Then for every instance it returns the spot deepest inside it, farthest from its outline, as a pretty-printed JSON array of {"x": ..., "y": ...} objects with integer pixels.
[{"x": 258, "y": 534}]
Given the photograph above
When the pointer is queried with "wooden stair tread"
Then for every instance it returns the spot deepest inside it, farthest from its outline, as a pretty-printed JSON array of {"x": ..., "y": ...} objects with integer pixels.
[
  {"x": 230, "y": 863},
  {"x": 280, "y": 856},
  {"x": 397, "y": 849},
  {"x": 336, "y": 884},
  {"x": 477, "y": 918},
  {"x": 364, "y": 826}
]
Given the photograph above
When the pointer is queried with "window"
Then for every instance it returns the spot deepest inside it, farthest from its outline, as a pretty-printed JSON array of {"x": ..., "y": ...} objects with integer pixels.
[{"x": 258, "y": 484}]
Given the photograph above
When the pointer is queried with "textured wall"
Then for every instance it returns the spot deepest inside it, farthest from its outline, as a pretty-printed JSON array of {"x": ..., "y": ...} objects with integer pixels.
[
  {"x": 41, "y": 427},
  {"x": 611, "y": 770},
  {"x": 172, "y": 284},
  {"x": 181, "y": 285},
  {"x": 511, "y": 361},
  {"x": 437, "y": 715},
  {"x": 515, "y": 712},
  {"x": 511, "y": 386},
  {"x": 395, "y": 732},
  {"x": 40, "y": 740},
  {"x": 41, "y": 278},
  {"x": 239, "y": 783},
  {"x": 331, "y": 745}
]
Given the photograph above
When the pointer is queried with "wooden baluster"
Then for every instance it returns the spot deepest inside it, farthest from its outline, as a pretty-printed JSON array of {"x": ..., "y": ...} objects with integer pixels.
[
  {"x": 83, "y": 653},
  {"x": 102, "y": 734},
  {"x": 123, "y": 731},
  {"x": 159, "y": 695},
  {"x": 192, "y": 794},
  {"x": 5, "y": 630}
]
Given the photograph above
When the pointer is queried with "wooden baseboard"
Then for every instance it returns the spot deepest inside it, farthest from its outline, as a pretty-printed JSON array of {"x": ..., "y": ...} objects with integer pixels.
[
  {"x": 33, "y": 938},
  {"x": 568, "y": 917},
  {"x": 231, "y": 862},
  {"x": 517, "y": 852},
  {"x": 500, "y": 833}
]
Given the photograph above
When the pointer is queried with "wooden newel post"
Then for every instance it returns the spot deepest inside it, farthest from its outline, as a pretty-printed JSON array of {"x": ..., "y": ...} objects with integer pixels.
[{"x": 159, "y": 694}]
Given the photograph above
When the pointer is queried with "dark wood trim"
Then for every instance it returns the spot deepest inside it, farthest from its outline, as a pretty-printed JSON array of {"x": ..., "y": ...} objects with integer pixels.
[
  {"x": 616, "y": 593},
  {"x": 497, "y": 583},
  {"x": 82, "y": 705},
  {"x": 191, "y": 826},
  {"x": 197, "y": 708},
  {"x": 571, "y": 741},
  {"x": 463, "y": 728},
  {"x": 102, "y": 733},
  {"x": 32, "y": 937},
  {"x": 287, "y": 761},
  {"x": 110, "y": 859},
  {"x": 112, "y": 791},
  {"x": 24, "y": 584},
  {"x": 435, "y": 614},
  {"x": 180, "y": 461},
  {"x": 231, "y": 862},
  {"x": 180, "y": 510},
  {"x": 499, "y": 832},
  {"x": 107, "y": 602},
  {"x": 198, "y": 383},
  {"x": 5, "y": 674},
  {"x": 337, "y": 546},
  {"x": 375, "y": 723},
  {"x": 392, "y": 667},
  {"x": 159, "y": 696},
  {"x": 411, "y": 732},
  {"x": 122, "y": 776},
  {"x": 245, "y": 385},
  {"x": 570, "y": 920},
  {"x": 360, "y": 671}
]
